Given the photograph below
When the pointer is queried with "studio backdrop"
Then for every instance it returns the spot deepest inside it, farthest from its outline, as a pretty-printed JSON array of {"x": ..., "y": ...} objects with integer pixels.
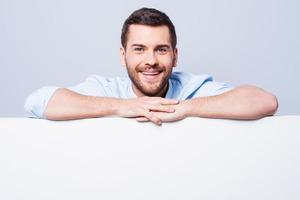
[{"x": 60, "y": 43}]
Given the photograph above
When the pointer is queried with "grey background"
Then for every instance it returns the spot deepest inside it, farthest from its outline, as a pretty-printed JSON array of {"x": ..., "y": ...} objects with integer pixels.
[{"x": 60, "y": 43}]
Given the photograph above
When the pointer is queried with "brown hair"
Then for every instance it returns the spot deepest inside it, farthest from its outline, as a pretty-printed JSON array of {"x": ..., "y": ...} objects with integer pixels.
[{"x": 151, "y": 17}]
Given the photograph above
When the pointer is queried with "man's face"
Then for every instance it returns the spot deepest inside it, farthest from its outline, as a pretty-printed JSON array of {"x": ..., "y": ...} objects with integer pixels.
[{"x": 149, "y": 59}]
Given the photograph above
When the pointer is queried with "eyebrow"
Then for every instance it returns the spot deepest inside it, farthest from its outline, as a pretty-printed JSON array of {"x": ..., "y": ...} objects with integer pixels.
[
  {"x": 137, "y": 45},
  {"x": 158, "y": 46},
  {"x": 163, "y": 46}
]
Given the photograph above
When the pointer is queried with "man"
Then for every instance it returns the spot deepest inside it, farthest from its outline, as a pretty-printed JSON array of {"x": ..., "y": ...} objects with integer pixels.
[{"x": 152, "y": 92}]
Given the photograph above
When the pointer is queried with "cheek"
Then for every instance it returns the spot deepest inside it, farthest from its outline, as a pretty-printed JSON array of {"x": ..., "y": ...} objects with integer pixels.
[
  {"x": 133, "y": 60},
  {"x": 168, "y": 62}
]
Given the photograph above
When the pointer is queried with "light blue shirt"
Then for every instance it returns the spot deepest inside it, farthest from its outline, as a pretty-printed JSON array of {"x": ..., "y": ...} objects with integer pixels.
[{"x": 182, "y": 86}]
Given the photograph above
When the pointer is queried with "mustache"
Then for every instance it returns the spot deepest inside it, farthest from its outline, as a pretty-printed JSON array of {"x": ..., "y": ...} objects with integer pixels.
[{"x": 151, "y": 68}]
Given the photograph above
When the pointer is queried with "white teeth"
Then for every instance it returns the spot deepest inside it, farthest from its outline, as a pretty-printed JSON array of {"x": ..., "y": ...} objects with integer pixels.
[{"x": 150, "y": 73}]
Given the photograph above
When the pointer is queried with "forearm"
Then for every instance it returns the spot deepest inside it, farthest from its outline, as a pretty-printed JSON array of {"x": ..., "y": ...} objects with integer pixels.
[
  {"x": 68, "y": 105},
  {"x": 245, "y": 102}
]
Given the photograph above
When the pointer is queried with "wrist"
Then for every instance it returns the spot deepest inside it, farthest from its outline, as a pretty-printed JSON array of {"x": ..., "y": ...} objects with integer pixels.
[
  {"x": 193, "y": 107},
  {"x": 116, "y": 105},
  {"x": 188, "y": 107},
  {"x": 107, "y": 106}
]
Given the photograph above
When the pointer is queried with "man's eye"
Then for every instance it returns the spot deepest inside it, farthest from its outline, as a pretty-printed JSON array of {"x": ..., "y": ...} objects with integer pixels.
[
  {"x": 162, "y": 50},
  {"x": 138, "y": 49}
]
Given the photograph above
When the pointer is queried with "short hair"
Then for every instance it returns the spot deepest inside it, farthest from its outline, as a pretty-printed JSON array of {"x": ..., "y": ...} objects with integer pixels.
[{"x": 150, "y": 17}]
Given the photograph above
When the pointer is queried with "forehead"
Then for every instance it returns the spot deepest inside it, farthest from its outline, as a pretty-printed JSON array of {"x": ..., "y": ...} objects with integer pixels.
[{"x": 148, "y": 35}]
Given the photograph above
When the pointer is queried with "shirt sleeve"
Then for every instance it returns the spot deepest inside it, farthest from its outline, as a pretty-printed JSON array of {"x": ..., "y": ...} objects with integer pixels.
[
  {"x": 92, "y": 86},
  {"x": 211, "y": 88},
  {"x": 36, "y": 102}
]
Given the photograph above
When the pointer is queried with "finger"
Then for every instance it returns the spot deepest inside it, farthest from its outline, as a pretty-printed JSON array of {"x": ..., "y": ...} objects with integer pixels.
[
  {"x": 152, "y": 118},
  {"x": 142, "y": 119},
  {"x": 161, "y": 108},
  {"x": 169, "y": 101},
  {"x": 162, "y": 101}
]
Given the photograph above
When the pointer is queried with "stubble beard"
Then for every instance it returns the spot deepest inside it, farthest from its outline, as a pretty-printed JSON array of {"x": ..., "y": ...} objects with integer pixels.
[{"x": 149, "y": 89}]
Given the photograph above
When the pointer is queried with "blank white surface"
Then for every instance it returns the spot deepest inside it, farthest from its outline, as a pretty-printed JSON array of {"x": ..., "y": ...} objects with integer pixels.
[{"x": 114, "y": 158}]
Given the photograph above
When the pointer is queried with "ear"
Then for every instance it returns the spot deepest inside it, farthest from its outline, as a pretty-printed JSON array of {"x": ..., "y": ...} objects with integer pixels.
[
  {"x": 122, "y": 56},
  {"x": 175, "y": 59}
]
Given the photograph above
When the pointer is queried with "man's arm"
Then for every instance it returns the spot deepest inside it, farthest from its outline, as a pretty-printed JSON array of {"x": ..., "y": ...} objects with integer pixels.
[
  {"x": 245, "y": 102},
  {"x": 68, "y": 105}
]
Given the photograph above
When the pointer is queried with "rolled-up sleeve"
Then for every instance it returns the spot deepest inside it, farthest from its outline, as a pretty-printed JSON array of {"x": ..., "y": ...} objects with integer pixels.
[
  {"x": 36, "y": 103},
  {"x": 92, "y": 86}
]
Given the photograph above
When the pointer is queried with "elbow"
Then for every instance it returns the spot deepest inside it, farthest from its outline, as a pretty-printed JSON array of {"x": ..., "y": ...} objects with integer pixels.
[
  {"x": 273, "y": 105},
  {"x": 37, "y": 101},
  {"x": 53, "y": 115},
  {"x": 268, "y": 106},
  {"x": 263, "y": 103}
]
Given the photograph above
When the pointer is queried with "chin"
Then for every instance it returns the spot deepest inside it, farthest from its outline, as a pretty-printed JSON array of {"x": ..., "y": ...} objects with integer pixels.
[
  {"x": 151, "y": 93},
  {"x": 148, "y": 87},
  {"x": 152, "y": 90}
]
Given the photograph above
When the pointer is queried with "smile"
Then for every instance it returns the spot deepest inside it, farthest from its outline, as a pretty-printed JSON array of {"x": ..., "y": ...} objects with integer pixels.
[{"x": 151, "y": 76}]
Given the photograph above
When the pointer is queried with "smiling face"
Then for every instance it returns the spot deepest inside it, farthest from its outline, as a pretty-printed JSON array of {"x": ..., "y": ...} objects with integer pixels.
[{"x": 149, "y": 59}]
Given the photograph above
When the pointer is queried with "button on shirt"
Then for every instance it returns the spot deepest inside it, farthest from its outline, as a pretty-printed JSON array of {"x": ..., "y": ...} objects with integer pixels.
[{"x": 182, "y": 86}]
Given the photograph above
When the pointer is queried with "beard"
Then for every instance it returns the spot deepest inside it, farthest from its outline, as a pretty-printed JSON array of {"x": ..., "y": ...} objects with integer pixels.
[{"x": 150, "y": 88}]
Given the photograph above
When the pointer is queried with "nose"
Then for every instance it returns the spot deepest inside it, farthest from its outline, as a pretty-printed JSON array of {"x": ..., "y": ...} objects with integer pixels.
[{"x": 150, "y": 59}]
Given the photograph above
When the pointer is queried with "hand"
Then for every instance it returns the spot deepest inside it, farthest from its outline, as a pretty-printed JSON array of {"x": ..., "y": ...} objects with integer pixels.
[
  {"x": 145, "y": 107},
  {"x": 179, "y": 114}
]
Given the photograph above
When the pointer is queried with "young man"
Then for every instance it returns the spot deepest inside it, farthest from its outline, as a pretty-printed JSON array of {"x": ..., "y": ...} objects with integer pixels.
[{"x": 152, "y": 92}]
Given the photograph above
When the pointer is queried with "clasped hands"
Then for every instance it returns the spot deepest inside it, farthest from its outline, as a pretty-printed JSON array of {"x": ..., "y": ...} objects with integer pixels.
[{"x": 154, "y": 109}]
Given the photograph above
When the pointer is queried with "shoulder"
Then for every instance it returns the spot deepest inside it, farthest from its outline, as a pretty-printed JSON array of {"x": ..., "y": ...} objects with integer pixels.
[
  {"x": 96, "y": 85},
  {"x": 187, "y": 79},
  {"x": 186, "y": 85},
  {"x": 183, "y": 84},
  {"x": 107, "y": 81}
]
